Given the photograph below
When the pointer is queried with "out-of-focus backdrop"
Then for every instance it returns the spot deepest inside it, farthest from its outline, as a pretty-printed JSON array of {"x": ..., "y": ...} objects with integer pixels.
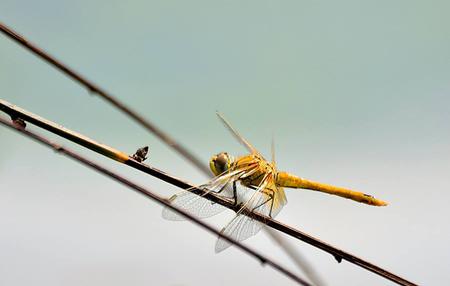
[{"x": 356, "y": 93}]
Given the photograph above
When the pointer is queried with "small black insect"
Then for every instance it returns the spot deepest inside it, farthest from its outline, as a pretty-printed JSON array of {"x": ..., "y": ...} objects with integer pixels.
[{"x": 141, "y": 154}]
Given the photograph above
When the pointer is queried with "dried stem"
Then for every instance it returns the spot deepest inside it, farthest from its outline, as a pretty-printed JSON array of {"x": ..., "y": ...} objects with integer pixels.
[
  {"x": 16, "y": 112},
  {"x": 152, "y": 128},
  {"x": 298, "y": 259},
  {"x": 151, "y": 195}
]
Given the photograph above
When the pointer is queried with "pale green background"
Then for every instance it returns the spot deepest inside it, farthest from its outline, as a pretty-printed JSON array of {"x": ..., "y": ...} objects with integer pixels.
[{"x": 356, "y": 93}]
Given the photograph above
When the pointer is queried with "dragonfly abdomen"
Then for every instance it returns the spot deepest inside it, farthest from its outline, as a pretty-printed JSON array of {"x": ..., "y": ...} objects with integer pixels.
[{"x": 291, "y": 181}]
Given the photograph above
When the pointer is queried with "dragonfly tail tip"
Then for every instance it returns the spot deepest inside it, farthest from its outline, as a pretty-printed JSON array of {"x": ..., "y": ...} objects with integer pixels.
[{"x": 380, "y": 203}]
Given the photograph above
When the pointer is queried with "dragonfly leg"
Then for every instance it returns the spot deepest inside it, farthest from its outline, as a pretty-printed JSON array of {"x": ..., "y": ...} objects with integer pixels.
[
  {"x": 271, "y": 203},
  {"x": 219, "y": 191},
  {"x": 235, "y": 193},
  {"x": 271, "y": 195}
]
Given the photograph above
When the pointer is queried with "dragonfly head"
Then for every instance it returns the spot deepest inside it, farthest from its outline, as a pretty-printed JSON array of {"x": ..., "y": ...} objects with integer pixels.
[{"x": 220, "y": 163}]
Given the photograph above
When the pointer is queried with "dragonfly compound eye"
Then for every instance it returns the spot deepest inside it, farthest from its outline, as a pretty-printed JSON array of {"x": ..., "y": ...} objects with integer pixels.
[{"x": 220, "y": 163}]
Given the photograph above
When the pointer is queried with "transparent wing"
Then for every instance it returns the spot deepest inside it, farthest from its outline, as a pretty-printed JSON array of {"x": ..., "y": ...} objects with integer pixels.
[
  {"x": 240, "y": 228},
  {"x": 193, "y": 204},
  {"x": 200, "y": 207},
  {"x": 241, "y": 139},
  {"x": 267, "y": 200}
]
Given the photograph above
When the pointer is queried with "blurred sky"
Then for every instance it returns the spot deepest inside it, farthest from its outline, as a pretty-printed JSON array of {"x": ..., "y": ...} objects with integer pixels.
[{"x": 357, "y": 94}]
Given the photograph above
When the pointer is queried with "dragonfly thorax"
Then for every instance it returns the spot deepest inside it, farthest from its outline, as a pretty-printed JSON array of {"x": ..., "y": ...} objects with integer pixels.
[{"x": 258, "y": 170}]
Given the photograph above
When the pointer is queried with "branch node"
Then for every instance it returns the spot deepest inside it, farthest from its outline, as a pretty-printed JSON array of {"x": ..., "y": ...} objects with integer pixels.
[
  {"x": 338, "y": 258},
  {"x": 17, "y": 121}
]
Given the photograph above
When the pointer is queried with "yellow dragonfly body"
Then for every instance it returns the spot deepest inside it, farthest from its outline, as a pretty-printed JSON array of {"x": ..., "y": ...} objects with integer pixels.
[{"x": 257, "y": 184}]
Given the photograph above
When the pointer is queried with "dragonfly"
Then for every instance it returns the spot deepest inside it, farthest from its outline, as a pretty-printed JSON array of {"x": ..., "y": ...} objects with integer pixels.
[{"x": 254, "y": 183}]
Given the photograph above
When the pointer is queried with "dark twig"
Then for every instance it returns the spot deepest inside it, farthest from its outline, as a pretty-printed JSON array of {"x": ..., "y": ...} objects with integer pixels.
[
  {"x": 123, "y": 158},
  {"x": 307, "y": 268},
  {"x": 151, "y": 195},
  {"x": 93, "y": 88}
]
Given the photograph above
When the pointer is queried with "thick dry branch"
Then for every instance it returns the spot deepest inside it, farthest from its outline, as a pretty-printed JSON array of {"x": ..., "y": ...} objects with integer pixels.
[
  {"x": 16, "y": 112},
  {"x": 152, "y": 128},
  {"x": 151, "y": 195}
]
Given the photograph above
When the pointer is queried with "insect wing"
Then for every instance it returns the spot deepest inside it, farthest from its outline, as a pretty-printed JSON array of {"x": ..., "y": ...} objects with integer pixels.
[
  {"x": 241, "y": 226},
  {"x": 193, "y": 204},
  {"x": 241, "y": 139},
  {"x": 197, "y": 205}
]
